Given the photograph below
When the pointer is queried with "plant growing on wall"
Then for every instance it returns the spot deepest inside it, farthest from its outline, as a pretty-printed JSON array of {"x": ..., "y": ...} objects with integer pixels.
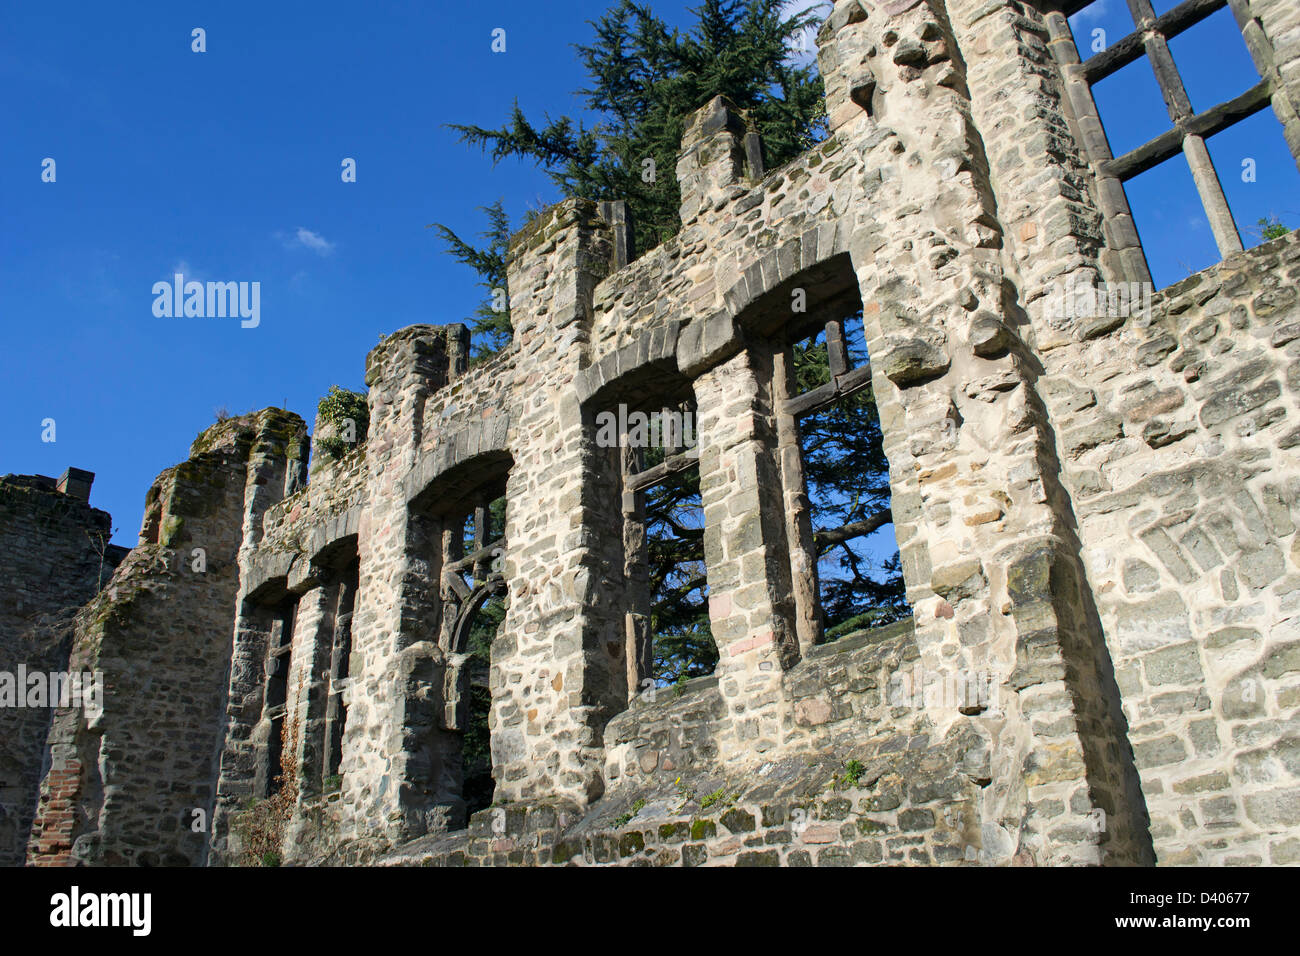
[
  {"x": 99, "y": 542},
  {"x": 1271, "y": 227},
  {"x": 348, "y": 415}
]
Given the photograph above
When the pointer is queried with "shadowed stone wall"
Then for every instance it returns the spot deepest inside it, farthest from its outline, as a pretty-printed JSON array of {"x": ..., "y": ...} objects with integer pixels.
[
  {"x": 123, "y": 786},
  {"x": 54, "y": 556}
]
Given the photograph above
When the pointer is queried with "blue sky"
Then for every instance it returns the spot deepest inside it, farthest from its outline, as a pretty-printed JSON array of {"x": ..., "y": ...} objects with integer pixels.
[{"x": 225, "y": 165}]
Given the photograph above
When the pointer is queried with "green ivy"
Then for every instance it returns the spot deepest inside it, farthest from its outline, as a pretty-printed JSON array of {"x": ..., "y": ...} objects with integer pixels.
[{"x": 336, "y": 409}]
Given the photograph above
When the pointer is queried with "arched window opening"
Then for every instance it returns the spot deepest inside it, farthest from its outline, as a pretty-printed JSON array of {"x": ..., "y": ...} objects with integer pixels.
[
  {"x": 845, "y": 570},
  {"x": 474, "y": 607},
  {"x": 459, "y": 524}
]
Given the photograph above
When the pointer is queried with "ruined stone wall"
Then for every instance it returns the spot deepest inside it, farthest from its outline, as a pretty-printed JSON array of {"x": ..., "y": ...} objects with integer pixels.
[
  {"x": 1095, "y": 514},
  {"x": 749, "y": 235},
  {"x": 54, "y": 556},
  {"x": 954, "y": 196},
  {"x": 1166, "y": 424},
  {"x": 1179, "y": 440},
  {"x": 123, "y": 786},
  {"x": 1272, "y": 32},
  {"x": 292, "y": 563}
]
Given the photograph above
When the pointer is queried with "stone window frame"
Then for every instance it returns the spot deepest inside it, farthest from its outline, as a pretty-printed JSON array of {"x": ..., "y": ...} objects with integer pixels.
[
  {"x": 275, "y": 694},
  {"x": 1189, "y": 131},
  {"x": 457, "y": 486},
  {"x": 460, "y": 601},
  {"x": 636, "y": 481},
  {"x": 338, "y": 675}
]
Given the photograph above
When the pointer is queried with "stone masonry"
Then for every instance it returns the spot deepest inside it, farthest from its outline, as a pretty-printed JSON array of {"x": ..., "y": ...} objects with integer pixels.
[
  {"x": 122, "y": 787},
  {"x": 1096, "y": 510},
  {"x": 55, "y": 556}
]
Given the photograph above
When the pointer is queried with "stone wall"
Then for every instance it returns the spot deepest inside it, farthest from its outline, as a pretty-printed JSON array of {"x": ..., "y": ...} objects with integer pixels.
[
  {"x": 54, "y": 556},
  {"x": 1179, "y": 437},
  {"x": 866, "y": 777},
  {"x": 1165, "y": 423},
  {"x": 135, "y": 784}
]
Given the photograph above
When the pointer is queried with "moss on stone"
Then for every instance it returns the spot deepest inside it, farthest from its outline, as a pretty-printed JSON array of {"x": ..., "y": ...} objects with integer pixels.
[
  {"x": 703, "y": 829},
  {"x": 631, "y": 843},
  {"x": 566, "y": 850},
  {"x": 674, "y": 832},
  {"x": 171, "y": 530}
]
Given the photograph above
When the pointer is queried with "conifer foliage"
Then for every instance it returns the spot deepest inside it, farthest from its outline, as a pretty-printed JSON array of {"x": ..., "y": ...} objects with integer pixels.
[{"x": 645, "y": 80}]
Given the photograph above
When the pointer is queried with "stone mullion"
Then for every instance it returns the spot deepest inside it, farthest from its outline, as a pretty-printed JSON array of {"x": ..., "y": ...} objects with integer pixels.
[
  {"x": 1180, "y": 110},
  {"x": 798, "y": 510},
  {"x": 452, "y": 550},
  {"x": 1121, "y": 230},
  {"x": 481, "y": 536},
  {"x": 1222, "y": 224},
  {"x": 751, "y": 610},
  {"x": 837, "y": 358},
  {"x": 639, "y": 648}
]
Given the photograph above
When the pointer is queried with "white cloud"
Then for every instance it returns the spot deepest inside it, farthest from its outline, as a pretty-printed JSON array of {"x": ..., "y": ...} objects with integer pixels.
[
  {"x": 191, "y": 274},
  {"x": 1093, "y": 11},
  {"x": 313, "y": 241}
]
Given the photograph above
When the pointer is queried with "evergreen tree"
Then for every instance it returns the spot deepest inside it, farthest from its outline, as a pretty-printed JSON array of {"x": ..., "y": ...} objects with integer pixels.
[
  {"x": 490, "y": 325},
  {"x": 679, "y": 608},
  {"x": 646, "y": 79}
]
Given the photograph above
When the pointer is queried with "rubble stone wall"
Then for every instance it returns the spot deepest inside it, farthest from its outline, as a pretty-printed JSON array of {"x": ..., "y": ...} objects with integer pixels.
[
  {"x": 1178, "y": 440},
  {"x": 54, "y": 556},
  {"x": 123, "y": 786}
]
